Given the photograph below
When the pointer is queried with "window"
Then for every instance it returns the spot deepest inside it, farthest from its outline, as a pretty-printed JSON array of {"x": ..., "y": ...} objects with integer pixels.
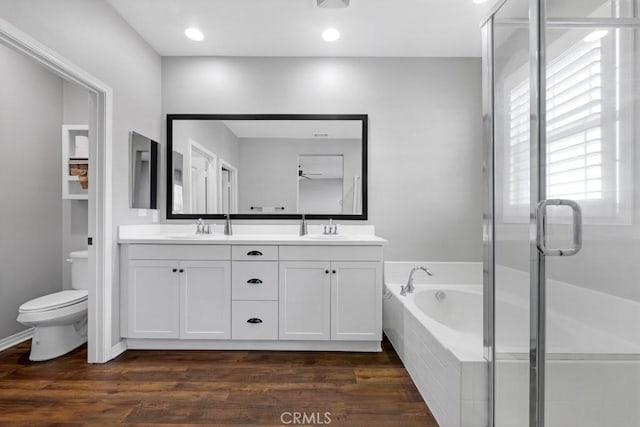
[{"x": 580, "y": 166}]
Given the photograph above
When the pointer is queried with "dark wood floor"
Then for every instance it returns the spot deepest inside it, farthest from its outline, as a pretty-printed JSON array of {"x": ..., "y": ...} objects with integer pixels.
[{"x": 217, "y": 388}]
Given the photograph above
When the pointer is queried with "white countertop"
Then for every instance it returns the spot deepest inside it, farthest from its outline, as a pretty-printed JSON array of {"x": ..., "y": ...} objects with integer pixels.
[{"x": 350, "y": 235}]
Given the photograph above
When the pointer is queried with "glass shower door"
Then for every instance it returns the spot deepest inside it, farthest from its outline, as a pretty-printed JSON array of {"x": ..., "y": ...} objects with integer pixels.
[{"x": 590, "y": 157}]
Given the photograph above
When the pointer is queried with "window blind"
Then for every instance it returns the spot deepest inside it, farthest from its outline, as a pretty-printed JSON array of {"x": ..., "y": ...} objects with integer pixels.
[{"x": 574, "y": 128}]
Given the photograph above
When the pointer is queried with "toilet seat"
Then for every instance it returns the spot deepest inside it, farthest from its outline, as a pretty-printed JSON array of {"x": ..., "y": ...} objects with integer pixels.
[{"x": 54, "y": 301}]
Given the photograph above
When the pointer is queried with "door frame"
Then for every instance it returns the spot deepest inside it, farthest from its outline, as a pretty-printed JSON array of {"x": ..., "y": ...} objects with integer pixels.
[
  {"x": 233, "y": 171},
  {"x": 100, "y": 222},
  {"x": 212, "y": 196}
]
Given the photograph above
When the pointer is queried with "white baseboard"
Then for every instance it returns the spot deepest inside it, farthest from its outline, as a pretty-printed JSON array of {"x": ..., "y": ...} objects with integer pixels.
[
  {"x": 118, "y": 349},
  {"x": 176, "y": 344},
  {"x": 15, "y": 339}
]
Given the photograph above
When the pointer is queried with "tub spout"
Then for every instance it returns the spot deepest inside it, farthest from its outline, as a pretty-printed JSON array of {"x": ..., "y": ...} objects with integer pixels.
[{"x": 409, "y": 288}]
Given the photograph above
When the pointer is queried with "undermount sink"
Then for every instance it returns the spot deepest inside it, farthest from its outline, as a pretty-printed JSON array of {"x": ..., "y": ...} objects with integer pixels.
[{"x": 326, "y": 236}]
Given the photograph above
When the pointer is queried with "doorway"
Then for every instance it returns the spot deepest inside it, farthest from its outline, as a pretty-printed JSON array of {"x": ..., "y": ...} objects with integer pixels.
[{"x": 101, "y": 243}]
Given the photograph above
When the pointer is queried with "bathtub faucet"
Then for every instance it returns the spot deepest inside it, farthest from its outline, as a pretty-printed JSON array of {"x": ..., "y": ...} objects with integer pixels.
[{"x": 409, "y": 288}]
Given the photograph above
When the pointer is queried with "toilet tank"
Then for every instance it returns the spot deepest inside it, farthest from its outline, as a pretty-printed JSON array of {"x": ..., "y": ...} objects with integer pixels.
[{"x": 79, "y": 270}]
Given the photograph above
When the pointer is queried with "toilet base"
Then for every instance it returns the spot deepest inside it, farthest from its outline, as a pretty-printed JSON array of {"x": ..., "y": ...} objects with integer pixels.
[{"x": 49, "y": 342}]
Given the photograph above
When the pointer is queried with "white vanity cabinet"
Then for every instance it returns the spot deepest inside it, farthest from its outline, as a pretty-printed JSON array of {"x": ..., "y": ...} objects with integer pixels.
[
  {"x": 251, "y": 294},
  {"x": 305, "y": 300},
  {"x": 152, "y": 295},
  {"x": 331, "y": 293},
  {"x": 356, "y": 301},
  {"x": 176, "y": 292}
]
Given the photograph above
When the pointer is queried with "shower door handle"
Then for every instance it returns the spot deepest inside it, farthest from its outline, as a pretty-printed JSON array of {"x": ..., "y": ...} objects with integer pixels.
[{"x": 541, "y": 229}]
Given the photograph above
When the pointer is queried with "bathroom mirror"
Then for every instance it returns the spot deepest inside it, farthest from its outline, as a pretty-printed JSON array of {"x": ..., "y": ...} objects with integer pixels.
[
  {"x": 275, "y": 166},
  {"x": 143, "y": 171}
]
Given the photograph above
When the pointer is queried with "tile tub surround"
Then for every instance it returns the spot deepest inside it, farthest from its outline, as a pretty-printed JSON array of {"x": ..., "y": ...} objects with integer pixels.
[
  {"x": 454, "y": 385},
  {"x": 595, "y": 371}
]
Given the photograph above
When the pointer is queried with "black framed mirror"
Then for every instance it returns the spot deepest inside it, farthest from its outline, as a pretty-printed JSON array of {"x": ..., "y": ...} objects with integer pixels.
[{"x": 267, "y": 166}]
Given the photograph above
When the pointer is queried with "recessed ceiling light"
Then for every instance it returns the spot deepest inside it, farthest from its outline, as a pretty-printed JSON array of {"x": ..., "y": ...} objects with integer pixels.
[
  {"x": 194, "y": 34},
  {"x": 331, "y": 34},
  {"x": 479, "y": 1},
  {"x": 596, "y": 35}
]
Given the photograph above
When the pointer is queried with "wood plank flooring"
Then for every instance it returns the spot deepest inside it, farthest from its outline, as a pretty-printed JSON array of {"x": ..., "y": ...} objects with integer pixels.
[{"x": 215, "y": 388}]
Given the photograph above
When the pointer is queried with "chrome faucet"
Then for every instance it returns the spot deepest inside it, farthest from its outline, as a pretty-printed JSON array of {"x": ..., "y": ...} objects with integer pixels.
[
  {"x": 303, "y": 226},
  {"x": 409, "y": 288},
  {"x": 227, "y": 226},
  {"x": 331, "y": 228},
  {"x": 202, "y": 228}
]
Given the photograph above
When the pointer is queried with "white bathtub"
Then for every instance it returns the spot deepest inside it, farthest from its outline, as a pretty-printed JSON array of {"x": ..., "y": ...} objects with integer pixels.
[
  {"x": 440, "y": 341},
  {"x": 437, "y": 332}
]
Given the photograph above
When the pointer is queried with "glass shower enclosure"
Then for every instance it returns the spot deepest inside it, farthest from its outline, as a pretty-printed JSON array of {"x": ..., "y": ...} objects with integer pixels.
[{"x": 561, "y": 84}]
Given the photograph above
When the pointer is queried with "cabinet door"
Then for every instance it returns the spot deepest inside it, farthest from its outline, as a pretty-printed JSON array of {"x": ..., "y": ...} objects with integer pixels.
[
  {"x": 356, "y": 301},
  {"x": 153, "y": 292},
  {"x": 305, "y": 301},
  {"x": 205, "y": 299}
]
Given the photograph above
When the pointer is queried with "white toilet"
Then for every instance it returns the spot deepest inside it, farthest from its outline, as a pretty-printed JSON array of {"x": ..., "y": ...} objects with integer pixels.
[{"x": 60, "y": 319}]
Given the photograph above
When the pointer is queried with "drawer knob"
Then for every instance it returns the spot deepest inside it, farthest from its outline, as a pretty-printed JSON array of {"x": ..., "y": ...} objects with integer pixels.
[
  {"x": 326, "y": 272},
  {"x": 333, "y": 271},
  {"x": 254, "y": 281},
  {"x": 254, "y": 320},
  {"x": 254, "y": 253},
  {"x": 175, "y": 270},
  {"x": 181, "y": 270}
]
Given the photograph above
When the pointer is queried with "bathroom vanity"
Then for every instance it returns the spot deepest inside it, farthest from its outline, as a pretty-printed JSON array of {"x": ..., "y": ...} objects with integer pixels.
[{"x": 251, "y": 291}]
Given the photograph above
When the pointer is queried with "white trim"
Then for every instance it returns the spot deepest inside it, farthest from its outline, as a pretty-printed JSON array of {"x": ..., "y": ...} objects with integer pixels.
[
  {"x": 234, "y": 185},
  {"x": 118, "y": 349},
  {"x": 16, "y": 339},
  {"x": 101, "y": 253},
  {"x": 212, "y": 197},
  {"x": 175, "y": 344}
]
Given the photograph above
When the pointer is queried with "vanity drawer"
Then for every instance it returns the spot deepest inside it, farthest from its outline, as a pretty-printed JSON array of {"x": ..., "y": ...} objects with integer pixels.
[
  {"x": 254, "y": 253},
  {"x": 332, "y": 253},
  {"x": 254, "y": 320},
  {"x": 179, "y": 252},
  {"x": 254, "y": 280}
]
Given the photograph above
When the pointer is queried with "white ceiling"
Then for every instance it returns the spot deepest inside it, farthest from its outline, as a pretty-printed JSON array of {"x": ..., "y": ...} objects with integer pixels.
[
  {"x": 296, "y": 129},
  {"x": 410, "y": 28}
]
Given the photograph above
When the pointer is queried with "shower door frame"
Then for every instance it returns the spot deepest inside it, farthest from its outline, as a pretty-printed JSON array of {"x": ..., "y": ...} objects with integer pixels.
[
  {"x": 537, "y": 24},
  {"x": 537, "y": 148}
]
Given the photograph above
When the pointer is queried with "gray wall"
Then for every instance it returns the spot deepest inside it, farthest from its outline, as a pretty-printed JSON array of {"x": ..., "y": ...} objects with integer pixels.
[
  {"x": 425, "y": 178},
  {"x": 93, "y": 36},
  {"x": 31, "y": 190},
  {"x": 268, "y": 172},
  {"x": 75, "y": 214}
]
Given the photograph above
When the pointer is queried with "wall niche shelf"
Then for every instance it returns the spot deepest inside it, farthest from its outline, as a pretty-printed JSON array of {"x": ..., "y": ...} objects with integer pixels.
[{"x": 75, "y": 155}]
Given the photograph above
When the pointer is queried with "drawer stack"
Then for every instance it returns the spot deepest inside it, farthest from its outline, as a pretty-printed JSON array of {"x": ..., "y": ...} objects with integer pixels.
[{"x": 254, "y": 291}]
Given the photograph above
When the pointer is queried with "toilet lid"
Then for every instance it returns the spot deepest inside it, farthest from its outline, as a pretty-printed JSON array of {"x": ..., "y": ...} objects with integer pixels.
[{"x": 54, "y": 301}]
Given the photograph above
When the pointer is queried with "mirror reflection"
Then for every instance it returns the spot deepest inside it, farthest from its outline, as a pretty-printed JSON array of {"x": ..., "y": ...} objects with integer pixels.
[
  {"x": 144, "y": 171},
  {"x": 266, "y": 166}
]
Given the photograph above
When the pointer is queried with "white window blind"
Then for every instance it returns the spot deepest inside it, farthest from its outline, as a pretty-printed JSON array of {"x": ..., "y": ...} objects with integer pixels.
[{"x": 575, "y": 159}]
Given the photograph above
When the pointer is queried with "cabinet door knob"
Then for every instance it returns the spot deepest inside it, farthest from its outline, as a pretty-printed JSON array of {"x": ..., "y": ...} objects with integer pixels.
[
  {"x": 333, "y": 271},
  {"x": 326, "y": 272},
  {"x": 254, "y": 320},
  {"x": 254, "y": 253},
  {"x": 175, "y": 270},
  {"x": 182, "y": 270},
  {"x": 254, "y": 281}
]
